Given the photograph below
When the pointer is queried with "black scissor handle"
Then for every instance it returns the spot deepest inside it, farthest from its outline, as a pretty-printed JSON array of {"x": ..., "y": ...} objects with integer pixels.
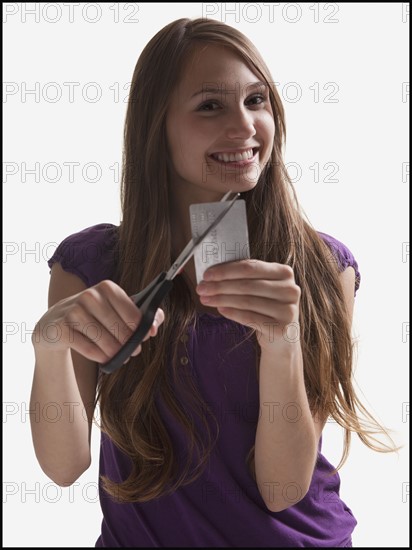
[
  {"x": 141, "y": 296},
  {"x": 146, "y": 322}
]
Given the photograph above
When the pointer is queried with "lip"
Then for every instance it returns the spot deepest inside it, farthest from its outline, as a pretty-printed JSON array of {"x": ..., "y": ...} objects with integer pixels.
[{"x": 239, "y": 163}]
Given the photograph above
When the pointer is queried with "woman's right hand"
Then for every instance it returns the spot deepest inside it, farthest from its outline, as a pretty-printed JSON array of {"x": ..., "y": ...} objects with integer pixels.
[{"x": 95, "y": 322}]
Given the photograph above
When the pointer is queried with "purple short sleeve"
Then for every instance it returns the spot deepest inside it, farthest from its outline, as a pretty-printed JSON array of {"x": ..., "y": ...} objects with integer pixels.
[
  {"x": 90, "y": 254},
  {"x": 343, "y": 256}
]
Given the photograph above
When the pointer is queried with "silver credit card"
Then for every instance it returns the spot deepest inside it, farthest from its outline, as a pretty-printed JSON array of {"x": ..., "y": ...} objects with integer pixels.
[{"x": 227, "y": 242}]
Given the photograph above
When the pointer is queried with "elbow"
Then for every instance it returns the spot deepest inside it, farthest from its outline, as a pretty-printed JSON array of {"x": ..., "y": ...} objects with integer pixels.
[
  {"x": 291, "y": 495},
  {"x": 278, "y": 507},
  {"x": 66, "y": 478}
]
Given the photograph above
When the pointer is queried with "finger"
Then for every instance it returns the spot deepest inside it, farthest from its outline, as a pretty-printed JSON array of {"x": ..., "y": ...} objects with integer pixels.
[
  {"x": 268, "y": 330},
  {"x": 93, "y": 315},
  {"x": 157, "y": 321},
  {"x": 160, "y": 316},
  {"x": 87, "y": 347},
  {"x": 79, "y": 320},
  {"x": 283, "y": 313},
  {"x": 111, "y": 306},
  {"x": 137, "y": 350},
  {"x": 123, "y": 306},
  {"x": 282, "y": 291},
  {"x": 248, "y": 269}
]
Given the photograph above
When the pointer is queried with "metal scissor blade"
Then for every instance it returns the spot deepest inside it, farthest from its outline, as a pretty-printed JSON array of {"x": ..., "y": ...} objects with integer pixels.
[{"x": 190, "y": 248}]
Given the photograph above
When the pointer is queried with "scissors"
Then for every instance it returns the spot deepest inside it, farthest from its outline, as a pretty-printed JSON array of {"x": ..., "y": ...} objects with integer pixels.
[{"x": 149, "y": 299}]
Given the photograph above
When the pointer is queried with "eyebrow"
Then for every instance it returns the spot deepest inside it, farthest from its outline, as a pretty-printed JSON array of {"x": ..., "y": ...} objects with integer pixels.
[{"x": 213, "y": 89}]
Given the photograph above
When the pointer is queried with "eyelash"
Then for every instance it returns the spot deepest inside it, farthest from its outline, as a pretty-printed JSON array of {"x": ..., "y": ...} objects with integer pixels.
[{"x": 257, "y": 96}]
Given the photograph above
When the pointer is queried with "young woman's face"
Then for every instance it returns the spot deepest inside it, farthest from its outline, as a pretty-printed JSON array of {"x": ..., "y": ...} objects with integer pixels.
[{"x": 205, "y": 128}]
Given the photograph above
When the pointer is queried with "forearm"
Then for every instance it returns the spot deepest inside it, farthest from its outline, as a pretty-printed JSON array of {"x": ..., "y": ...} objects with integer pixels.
[
  {"x": 59, "y": 424},
  {"x": 285, "y": 446}
]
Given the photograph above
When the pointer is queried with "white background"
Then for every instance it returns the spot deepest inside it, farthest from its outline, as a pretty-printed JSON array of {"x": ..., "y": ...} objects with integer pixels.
[{"x": 365, "y": 133}]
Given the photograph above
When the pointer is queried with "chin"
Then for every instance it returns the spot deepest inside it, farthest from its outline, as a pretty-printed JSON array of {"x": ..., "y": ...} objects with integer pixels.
[
  {"x": 241, "y": 187},
  {"x": 223, "y": 188}
]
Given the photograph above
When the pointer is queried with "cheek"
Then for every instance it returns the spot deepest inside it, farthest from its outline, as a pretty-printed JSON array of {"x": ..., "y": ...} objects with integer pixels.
[
  {"x": 268, "y": 125},
  {"x": 183, "y": 151},
  {"x": 192, "y": 145},
  {"x": 271, "y": 131},
  {"x": 266, "y": 128}
]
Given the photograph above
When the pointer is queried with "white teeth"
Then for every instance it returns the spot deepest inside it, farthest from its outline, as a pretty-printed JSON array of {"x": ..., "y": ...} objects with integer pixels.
[{"x": 234, "y": 157}]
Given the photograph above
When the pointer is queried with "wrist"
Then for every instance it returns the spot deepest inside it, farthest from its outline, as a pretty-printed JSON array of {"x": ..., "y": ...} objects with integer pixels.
[
  {"x": 41, "y": 353},
  {"x": 280, "y": 348},
  {"x": 281, "y": 354}
]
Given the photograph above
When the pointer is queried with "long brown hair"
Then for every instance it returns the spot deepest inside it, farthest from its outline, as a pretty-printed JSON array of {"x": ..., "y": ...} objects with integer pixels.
[{"x": 278, "y": 233}]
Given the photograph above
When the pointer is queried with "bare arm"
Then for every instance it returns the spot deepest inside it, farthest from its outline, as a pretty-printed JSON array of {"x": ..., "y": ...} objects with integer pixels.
[
  {"x": 264, "y": 295},
  {"x": 287, "y": 434},
  {"x": 67, "y": 379},
  {"x": 65, "y": 373}
]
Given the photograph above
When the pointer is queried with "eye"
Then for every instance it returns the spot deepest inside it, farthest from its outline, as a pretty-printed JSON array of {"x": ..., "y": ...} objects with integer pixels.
[
  {"x": 256, "y": 99},
  {"x": 209, "y": 106}
]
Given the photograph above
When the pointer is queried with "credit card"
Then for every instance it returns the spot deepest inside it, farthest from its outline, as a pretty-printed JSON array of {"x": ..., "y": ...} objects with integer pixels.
[{"x": 227, "y": 242}]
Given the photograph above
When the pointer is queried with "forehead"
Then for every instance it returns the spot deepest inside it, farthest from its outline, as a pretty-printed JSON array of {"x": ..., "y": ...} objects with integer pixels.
[{"x": 210, "y": 65}]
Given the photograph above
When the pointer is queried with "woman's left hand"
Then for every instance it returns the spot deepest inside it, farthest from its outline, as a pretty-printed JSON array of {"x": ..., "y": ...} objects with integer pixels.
[{"x": 262, "y": 295}]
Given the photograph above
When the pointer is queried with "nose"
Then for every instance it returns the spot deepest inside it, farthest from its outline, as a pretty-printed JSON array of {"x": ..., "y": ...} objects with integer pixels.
[{"x": 240, "y": 124}]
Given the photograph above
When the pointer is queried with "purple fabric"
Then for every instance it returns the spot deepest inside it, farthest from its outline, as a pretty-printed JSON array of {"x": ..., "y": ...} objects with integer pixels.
[
  {"x": 223, "y": 507},
  {"x": 90, "y": 254},
  {"x": 342, "y": 255}
]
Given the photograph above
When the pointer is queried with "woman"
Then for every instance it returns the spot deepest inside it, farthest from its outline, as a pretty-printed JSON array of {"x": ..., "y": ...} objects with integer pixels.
[{"x": 211, "y": 434}]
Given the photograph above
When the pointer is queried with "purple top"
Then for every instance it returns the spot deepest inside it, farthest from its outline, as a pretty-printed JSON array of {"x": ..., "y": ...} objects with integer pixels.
[{"x": 223, "y": 507}]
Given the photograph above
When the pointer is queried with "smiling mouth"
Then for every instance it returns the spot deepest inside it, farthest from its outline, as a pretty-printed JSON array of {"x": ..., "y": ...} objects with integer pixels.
[{"x": 247, "y": 157}]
